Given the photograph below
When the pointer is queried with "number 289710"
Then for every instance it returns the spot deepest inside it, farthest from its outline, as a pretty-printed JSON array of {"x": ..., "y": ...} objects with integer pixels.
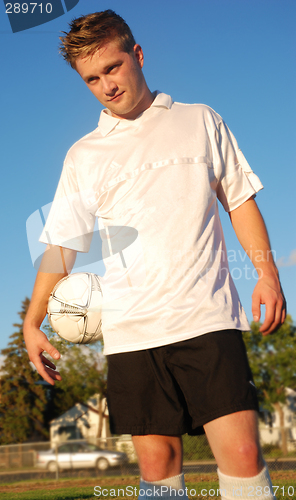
[{"x": 28, "y": 8}]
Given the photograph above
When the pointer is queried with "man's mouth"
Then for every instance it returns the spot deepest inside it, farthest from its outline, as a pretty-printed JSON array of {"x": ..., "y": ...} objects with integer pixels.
[{"x": 116, "y": 97}]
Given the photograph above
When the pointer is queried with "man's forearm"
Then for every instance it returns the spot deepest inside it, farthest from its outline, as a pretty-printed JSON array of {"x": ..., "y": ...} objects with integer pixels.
[
  {"x": 57, "y": 262},
  {"x": 252, "y": 234},
  {"x": 44, "y": 284}
]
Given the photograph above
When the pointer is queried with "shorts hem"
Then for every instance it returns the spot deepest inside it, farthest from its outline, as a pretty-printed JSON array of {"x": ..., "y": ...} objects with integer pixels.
[
  {"x": 252, "y": 405},
  {"x": 155, "y": 430},
  {"x": 143, "y": 430}
]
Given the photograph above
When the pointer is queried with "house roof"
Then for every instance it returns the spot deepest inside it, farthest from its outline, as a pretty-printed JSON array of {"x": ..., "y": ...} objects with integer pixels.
[{"x": 78, "y": 411}]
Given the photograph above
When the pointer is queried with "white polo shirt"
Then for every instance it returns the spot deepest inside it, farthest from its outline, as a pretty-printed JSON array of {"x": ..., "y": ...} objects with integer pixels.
[{"x": 154, "y": 182}]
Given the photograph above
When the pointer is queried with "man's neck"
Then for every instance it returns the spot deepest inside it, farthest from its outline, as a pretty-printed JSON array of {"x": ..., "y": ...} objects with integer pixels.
[{"x": 144, "y": 104}]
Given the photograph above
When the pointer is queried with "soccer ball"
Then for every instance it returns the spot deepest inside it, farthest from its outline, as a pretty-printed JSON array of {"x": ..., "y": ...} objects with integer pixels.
[{"x": 74, "y": 308}]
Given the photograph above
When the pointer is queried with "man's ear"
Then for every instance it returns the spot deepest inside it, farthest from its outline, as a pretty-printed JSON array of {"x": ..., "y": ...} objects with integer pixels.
[{"x": 138, "y": 53}]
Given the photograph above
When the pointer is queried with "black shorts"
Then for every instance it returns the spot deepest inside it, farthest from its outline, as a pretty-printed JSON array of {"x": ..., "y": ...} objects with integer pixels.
[{"x": 177, "y": 388}]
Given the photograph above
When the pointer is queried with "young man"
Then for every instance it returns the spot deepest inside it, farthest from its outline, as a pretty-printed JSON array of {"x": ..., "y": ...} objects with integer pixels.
[{"x": 176, "y": 358}]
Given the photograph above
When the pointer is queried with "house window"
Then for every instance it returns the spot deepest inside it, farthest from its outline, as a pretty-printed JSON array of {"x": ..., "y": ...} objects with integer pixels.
[{"x": 71, "y": 431}]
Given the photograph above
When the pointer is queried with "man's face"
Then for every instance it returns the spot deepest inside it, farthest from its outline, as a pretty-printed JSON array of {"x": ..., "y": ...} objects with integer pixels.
[{"x": 116, "y": 79}]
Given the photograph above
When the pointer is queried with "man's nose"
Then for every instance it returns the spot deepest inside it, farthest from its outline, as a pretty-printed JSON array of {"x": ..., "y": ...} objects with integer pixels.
[{"x": 109, "y": 86}]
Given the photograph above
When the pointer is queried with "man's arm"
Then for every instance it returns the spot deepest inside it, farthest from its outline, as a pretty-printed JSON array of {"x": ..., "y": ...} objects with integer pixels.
[
  {"x": 251, "y": 231},
  {"x": 57, "y": 262}
]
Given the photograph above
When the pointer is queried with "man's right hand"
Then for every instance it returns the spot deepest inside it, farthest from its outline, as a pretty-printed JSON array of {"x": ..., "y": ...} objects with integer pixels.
[
  {"x": 57, "y": 262},
  {"x": 37, "y": 343}
]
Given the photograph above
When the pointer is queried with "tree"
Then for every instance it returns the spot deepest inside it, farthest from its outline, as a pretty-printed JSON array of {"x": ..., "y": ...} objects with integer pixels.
[
  {"x": 23, "y": 397},
  {"x": 84, "y": 374},
  {"x": 273, "y": 362}
]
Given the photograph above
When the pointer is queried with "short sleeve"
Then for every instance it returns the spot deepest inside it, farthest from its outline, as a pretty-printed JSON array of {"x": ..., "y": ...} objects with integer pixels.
[
  {"x": 236, "y": 180},
  {"x": 70, "y": 223}
]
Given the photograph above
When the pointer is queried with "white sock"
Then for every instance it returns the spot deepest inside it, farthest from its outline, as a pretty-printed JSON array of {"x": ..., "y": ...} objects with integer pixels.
[
  {"x": 172, "y": 487},
  {"x": 244, "y": 488}
]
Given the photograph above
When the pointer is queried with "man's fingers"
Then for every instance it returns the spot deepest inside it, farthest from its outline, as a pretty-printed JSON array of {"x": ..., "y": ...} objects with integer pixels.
[
  {"x": 279, "y": 314},
  {"x": 46, "y": 368},
  {"x": 47, "y": 362},
  {"x": 43, "y": 370},
  {"x": 268, "y": 292},
  {"x": 53, "y": 373},
  {"x": 269, "y": 317},
  {"x": 274, "y": 317},
  {"x": 50, "y": 367}
]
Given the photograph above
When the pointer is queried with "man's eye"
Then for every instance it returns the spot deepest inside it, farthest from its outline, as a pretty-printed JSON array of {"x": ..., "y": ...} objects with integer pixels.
[
  {"x": 92, "y": 79},
  {"x": 113, "y": 68}
]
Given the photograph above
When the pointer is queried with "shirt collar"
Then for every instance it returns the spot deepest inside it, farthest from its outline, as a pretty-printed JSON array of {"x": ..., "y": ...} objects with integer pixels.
[{"x": 108, "y": 122}]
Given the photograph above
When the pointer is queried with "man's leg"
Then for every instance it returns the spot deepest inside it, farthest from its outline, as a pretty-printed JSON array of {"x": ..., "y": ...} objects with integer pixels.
[
  {"x": 160, "y": 460},
  {"x": 234, "y": 440}
]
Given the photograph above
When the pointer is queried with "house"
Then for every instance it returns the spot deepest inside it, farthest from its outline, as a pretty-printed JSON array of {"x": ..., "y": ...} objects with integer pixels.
[
  {"x": 270, "y": 426},
  {"x": 88, "y": 420}
]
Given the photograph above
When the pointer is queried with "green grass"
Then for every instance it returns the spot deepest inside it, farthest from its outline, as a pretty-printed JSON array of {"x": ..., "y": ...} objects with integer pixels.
[{"x": 59, "y": 492}]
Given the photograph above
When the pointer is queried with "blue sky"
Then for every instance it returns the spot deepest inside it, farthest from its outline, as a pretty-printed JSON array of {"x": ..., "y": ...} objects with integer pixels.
[{"x": 237, "y": 56}]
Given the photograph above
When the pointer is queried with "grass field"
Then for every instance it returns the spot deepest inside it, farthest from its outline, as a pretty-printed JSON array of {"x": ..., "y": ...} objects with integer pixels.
[{"x": 202, "y": 486}]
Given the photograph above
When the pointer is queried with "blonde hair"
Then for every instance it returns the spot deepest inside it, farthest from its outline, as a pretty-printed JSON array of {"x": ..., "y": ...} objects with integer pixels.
[{"x": 89, "y": 33}]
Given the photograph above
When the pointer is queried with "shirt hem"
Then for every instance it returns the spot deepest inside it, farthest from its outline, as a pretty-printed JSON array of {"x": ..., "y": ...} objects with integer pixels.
[{"x": 173, "y": 340}]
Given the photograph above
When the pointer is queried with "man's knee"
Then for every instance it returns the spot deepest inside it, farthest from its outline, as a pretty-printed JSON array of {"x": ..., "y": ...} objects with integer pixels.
[
  {"x": 159, "y": 456},
  {"x": 248, "y": 451}
]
